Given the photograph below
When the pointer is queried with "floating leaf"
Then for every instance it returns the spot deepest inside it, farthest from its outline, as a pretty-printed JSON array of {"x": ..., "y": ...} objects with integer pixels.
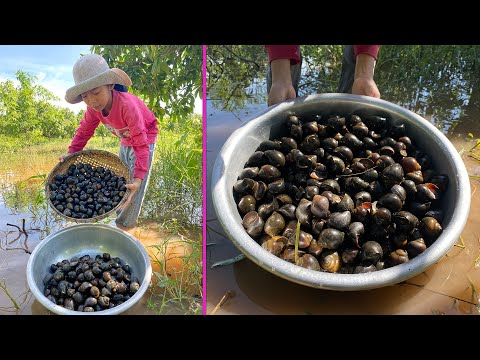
[{"x": 229, "y": 261}]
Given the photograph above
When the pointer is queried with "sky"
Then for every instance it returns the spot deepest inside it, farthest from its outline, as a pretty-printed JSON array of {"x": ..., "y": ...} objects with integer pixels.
[{"x": 51, "y": 64}]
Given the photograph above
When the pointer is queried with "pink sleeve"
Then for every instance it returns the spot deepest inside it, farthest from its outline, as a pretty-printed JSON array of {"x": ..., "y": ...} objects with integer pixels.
[
  {"x": 138, "y": 138},
  {"x": 371, "y": 50},
  {"x": 142, "y": 155},
  {"x": 276, "y": 52},
  {"x": 84, "y": 132}
]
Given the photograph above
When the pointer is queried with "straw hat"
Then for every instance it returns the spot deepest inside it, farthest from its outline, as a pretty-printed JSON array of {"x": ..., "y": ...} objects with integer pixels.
[{"x": 91, "y": 71}]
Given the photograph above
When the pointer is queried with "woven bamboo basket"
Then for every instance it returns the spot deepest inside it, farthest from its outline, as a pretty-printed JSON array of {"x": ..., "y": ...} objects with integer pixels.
[{"x": 95, "y": 158}]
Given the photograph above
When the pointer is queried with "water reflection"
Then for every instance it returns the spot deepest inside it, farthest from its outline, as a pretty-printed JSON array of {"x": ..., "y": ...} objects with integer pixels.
[
  {"x": 416, "y": 78},
  {"x": 440, "y": 83}
]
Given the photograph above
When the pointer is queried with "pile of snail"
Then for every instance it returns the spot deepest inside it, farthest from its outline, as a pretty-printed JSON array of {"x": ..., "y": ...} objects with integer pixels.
[
  {"x": 364, "y": 197},
  {"x": 88, "y": 284},
  {"x": 86, "y": 191}
]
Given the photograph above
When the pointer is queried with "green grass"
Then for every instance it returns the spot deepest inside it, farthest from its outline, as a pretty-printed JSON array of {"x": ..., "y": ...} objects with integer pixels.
[
  {"x": 41, "y": 158},
  {"x": 473, "y": 153},
  {"x": 176, "y": 180},
  {"x": 10, "y": 144},
  {"x": 177, "y": 275},
  {"x": 174, "y": 200}
]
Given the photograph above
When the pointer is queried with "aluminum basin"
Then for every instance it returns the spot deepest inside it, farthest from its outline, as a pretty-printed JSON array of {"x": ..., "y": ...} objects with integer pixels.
[
  {"x": 269, "y": 124},
  {"x": 88, "y": 239}
]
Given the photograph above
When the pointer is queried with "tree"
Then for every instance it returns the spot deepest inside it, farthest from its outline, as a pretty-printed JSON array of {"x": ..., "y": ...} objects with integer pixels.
[
  {"x": 438, "y": 82},
  {"x": 26, "y": 111},
  {"x": 236, "y": 74},
  {"x": 167, "y": 77}
]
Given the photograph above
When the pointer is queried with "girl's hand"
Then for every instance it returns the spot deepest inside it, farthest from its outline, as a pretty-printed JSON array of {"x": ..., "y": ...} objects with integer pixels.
[
  {"x": 280, "y": 92},
  {"x": 62, "y": 157},
  {"x": 365, "y": 86},
  {"x": 282, "y": 88},
  {"x": 133, "y": 189},
  {"x": 364, "y": 83}
]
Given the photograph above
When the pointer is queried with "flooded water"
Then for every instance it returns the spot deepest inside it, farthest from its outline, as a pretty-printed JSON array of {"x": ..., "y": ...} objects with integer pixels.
[
  {"x": 448, "y": 287},
  {"x": 25, "y": 221}
]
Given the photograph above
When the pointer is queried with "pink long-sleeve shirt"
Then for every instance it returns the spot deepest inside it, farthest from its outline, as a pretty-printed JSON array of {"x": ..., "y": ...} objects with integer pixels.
[
  {"x": 130, "y": 120},
  {"x": 291, "y": 52}
]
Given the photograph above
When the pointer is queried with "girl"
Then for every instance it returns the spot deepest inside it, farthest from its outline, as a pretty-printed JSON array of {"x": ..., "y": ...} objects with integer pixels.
[{"x": 125, "y": 115}]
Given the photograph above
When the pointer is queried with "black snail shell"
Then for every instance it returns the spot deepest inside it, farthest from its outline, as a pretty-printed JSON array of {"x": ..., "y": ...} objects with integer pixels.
[
  {"x": 85, "y": 191},
  {"x": 364, "y": 197},
  {"x": 96, "y": 290}
]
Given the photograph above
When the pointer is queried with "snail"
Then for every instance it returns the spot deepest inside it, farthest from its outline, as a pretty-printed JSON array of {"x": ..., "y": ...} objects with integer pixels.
[{"x": 364, "y": 196}]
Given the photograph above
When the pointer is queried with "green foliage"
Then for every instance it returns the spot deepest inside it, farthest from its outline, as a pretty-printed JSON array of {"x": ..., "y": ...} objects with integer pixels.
[
  {"x": 167, "y": 77},
  {"x": 321, "y": 68},
  {"x": 431, "y": 80},
  {"x": 437, "y": 82},
  {"x": 175, "y": 187},
  {"x": 236, "y": 74},
  {"x": 26, "y": 112},
  {"x": 174, "y": 199},
  {"x": 177, "y": 288}
]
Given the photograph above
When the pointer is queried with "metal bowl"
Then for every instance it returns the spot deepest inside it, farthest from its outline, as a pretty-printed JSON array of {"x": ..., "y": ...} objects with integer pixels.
[
  {"x": 269, "y": 123},
  {"x": 88, "y": 239}
]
